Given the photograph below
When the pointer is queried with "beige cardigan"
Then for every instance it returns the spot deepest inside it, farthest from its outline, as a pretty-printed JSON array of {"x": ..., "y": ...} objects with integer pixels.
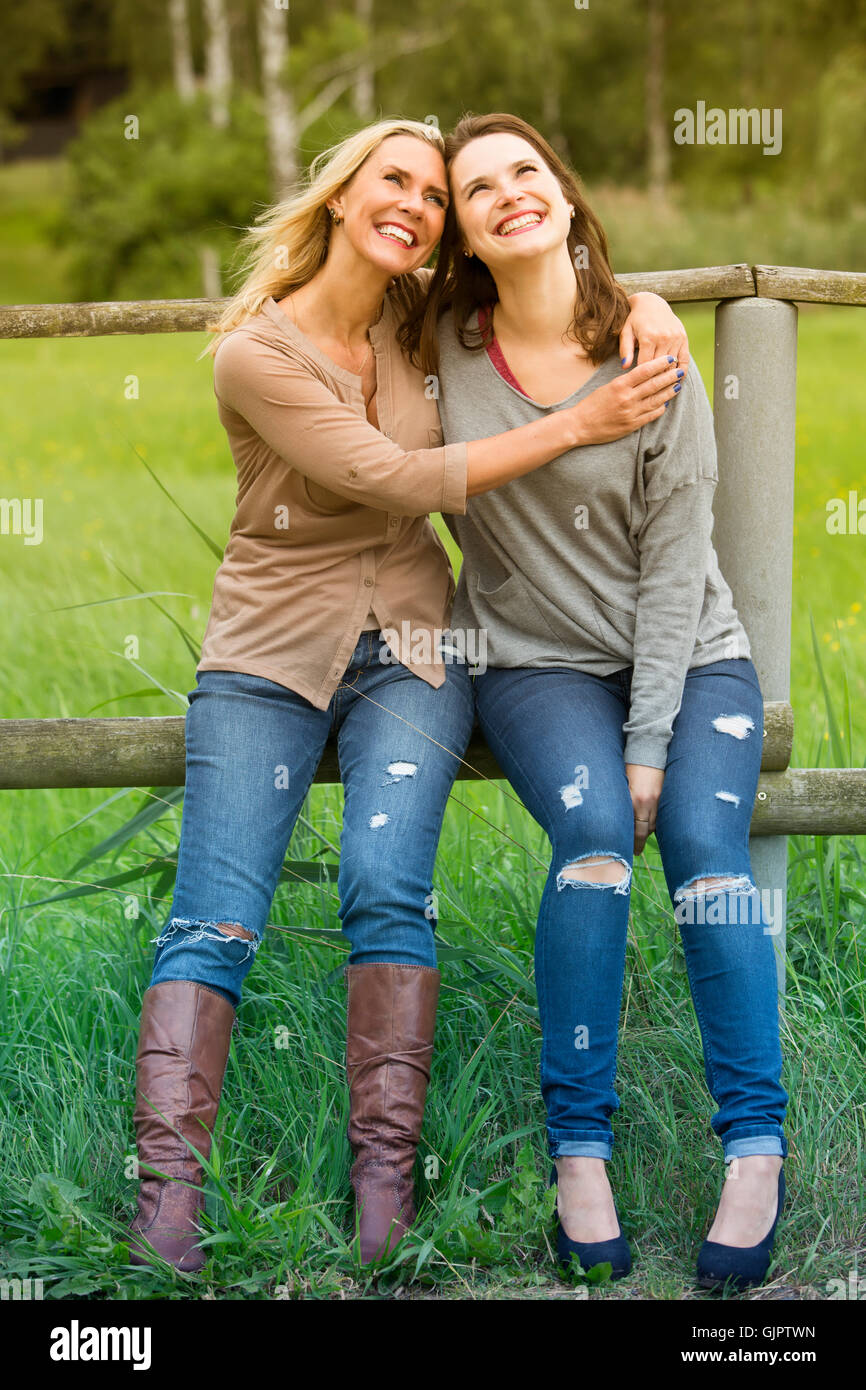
[{"x": 332, "y": 514}]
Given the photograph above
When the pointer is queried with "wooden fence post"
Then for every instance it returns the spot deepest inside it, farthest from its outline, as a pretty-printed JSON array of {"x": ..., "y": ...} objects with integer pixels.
[{"x": 754, "y": 407}]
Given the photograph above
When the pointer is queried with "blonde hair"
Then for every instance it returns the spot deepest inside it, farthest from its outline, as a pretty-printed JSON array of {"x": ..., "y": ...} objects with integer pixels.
[{"x": 289, "y": 242}]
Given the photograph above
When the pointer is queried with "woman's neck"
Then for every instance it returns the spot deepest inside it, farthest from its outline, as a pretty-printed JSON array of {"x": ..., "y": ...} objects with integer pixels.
[
  {"x": 537, "y": 301},
  {"x": 344, "y": 301}
]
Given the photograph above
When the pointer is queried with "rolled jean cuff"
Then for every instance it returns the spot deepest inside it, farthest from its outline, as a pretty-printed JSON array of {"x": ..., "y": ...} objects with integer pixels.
[
  {"x": 580, "y": 1148},
  {"x": 771, "y": 1143}
]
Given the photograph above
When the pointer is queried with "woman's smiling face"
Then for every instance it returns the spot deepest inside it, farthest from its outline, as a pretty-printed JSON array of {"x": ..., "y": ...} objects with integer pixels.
[
  {"x": 508, "y": 203},
  {"x": 394, "y": 205}
]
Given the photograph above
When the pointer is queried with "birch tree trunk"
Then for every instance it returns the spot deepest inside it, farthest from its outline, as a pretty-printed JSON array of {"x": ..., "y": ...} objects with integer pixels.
[
  {"x": 218, "y": 77},
  {"x": 365, "y": 100},
  {"x": 551, "y": 107},
  {"x": 218, "y": 62},
  {"x": 750, "y": 50},
  {"x": 658, "y": 144},
  {"x": 280, "y": 113},
  {"x": 546, "y": 30},
  {"x": 181, "y": 51}
]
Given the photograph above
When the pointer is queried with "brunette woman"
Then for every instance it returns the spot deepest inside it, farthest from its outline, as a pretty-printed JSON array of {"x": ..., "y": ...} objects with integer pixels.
[{"x": 619, "y": 694}]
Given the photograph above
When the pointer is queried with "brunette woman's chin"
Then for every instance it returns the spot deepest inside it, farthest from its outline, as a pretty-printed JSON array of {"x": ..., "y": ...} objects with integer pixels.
[{"x": 523, "y": 247}]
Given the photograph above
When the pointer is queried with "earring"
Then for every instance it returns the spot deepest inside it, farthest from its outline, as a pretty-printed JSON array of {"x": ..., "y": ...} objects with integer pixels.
[
  {"x": 572, "y": 214},
  {"x": 334, "y": 218},
  {"x": 468, "y": 253}
]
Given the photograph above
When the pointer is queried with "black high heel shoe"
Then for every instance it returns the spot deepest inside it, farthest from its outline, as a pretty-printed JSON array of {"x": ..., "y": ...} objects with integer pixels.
[
  {"x": 740, "y": 1265},
  {"x": 615, "y": 1252}
]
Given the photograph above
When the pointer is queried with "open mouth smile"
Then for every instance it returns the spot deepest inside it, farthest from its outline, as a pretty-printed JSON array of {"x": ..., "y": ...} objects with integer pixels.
[
  {"x": 513, "y": 225},
  {"x": 393, "y": 232}
]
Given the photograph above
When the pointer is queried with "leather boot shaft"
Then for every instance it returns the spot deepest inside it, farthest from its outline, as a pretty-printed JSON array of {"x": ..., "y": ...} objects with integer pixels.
[
  {"x": 391, "y": 1020},
  {"x": 182, "y": 1053}
]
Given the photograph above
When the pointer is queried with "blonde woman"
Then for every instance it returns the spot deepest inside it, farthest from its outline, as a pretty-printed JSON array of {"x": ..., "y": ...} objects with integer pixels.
[{"x": 337, "y": 444}]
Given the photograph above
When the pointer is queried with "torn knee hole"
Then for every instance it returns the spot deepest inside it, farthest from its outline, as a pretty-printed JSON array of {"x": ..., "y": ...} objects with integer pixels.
[
  {"x": 734, "y": 883},
  {"x": 605, "y": 869},
  {"x": 596, "y": 871},
  {"x": 188, "y": 931},
  {"x": 234, "y": 929}
]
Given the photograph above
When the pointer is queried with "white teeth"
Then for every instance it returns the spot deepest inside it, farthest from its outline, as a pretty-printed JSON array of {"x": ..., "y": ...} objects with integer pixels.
[
  {"x": 396, "y": 234},
  {"x": 526, "y": 220}
]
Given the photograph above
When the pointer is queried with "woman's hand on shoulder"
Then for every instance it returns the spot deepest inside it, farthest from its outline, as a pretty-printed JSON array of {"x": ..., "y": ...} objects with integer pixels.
[
  {"x": 627, "y": 404},
  {"x": 657, "y": 329}
]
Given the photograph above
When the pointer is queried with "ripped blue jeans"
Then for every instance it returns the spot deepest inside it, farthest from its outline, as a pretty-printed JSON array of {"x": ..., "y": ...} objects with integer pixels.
[
  {"x": 252, "y": 749},
  {"x": 557, "y": 735}
]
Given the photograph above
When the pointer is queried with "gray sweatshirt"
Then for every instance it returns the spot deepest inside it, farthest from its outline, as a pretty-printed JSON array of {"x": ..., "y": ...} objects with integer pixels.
[{"x": 601, "y": 559}]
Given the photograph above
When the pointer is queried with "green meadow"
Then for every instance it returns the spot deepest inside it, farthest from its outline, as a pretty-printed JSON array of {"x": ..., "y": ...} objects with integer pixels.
[{"x": 104, "y": 617}]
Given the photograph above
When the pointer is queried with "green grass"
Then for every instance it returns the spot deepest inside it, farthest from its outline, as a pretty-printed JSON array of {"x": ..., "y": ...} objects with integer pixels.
[
  {"x": 72, "y": 971},
  {"x": 70, "y": 989}
]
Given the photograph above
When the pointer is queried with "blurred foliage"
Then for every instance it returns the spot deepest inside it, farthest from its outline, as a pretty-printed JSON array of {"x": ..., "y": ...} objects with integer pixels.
[
  {"x": 28, "y": 33},
  {"x": 841, "y": 112},
  {"x": 138, "y": 210}
]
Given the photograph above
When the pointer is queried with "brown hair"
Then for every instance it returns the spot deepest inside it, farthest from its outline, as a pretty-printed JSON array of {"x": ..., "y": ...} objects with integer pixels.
[{"x": 464, "y": 283}]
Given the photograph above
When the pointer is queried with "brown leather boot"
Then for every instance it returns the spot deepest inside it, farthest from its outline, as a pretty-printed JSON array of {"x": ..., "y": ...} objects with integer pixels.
[
  {"x": 183, "y": 1048},
  {"x": 391, "y": 1019}
]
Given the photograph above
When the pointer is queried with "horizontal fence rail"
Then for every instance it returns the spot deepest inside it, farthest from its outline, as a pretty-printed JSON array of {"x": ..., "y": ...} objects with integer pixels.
[
  {"x": 148, "y": 752},
  {"x": 809, "y": 286},
  {"x": 714, "y": 282}
]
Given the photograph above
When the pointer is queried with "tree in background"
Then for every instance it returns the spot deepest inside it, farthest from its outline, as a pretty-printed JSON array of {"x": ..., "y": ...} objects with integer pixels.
[
  {"x": 181, "y": 49},
  {"x": 29, "y": 31},
  {"x": 657, "y": 121},
  {"x": 140, "y": 209},
  {"x": 236, "y": 96}
]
